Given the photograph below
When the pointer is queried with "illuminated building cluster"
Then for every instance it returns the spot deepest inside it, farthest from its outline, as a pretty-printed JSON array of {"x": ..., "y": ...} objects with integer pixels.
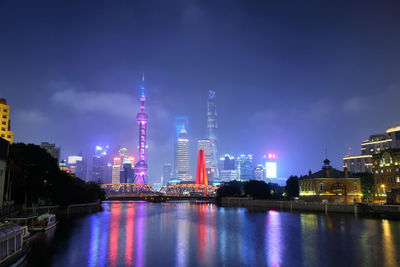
[{"x": 376, "y": 144}]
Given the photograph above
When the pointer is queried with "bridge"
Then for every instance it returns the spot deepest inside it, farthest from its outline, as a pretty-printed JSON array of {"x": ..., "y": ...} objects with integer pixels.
[{"x": 124, "y": 190}]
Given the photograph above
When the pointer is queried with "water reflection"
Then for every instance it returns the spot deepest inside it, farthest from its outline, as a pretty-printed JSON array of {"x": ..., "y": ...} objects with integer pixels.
[
  {"x": 273, "y": 239},
  {"x": 184, "y": 234}
]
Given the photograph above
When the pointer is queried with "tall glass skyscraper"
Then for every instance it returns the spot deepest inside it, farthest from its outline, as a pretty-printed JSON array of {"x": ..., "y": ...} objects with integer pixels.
[
  {"x": 211, "y": 133},
  {"x": 182, "y": 160},
  {"x": 205, "y": 145},
  {"x": 180, "y": 123}
]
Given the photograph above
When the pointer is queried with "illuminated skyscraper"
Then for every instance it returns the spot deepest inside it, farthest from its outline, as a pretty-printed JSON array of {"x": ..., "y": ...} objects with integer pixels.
[
  {"x": 180, "y": 122},
  {"x": 183, "y": 156},
  {"x": 167, "y": 173},
  {"x": 142, "y": 118},
  {"x": 205, "y": 145},
  {"x": 259, "y": 172},
  {"x": 270, "y": 166},
  {"x": 101, "y": 169},
  {"x": 5, "y": 128},
  {"x": 211, "y": 134},
  {"x": 245, "y": 167}
]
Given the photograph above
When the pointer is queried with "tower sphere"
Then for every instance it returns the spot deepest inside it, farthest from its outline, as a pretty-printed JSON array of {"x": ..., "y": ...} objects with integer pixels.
[{"x": 142, "y": 117}]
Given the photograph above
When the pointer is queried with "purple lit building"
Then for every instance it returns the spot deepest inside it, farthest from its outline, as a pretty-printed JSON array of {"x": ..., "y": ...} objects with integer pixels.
[{"x": 142, "y": 118}]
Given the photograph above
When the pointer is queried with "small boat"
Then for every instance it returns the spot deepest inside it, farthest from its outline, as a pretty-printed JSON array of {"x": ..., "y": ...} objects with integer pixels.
[
  {"x": 12, "y": 249},
  {"x": 44, "y": 222}
]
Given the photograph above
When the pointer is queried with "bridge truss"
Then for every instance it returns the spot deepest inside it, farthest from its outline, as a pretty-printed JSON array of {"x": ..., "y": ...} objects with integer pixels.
[
  {"x": 127, "y": 189},
  {"x": 189, "y": 190}
]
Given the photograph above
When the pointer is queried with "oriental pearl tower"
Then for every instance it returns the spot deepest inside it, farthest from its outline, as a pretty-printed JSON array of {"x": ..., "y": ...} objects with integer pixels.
[{"x": 142, "y": 118}]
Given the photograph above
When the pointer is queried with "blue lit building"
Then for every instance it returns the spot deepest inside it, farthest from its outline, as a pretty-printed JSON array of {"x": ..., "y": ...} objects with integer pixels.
[{"x": 181, "y": 122}]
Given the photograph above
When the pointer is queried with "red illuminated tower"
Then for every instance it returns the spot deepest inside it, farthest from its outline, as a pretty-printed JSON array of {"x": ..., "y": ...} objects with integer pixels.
[{"x": 201, "y": 174}]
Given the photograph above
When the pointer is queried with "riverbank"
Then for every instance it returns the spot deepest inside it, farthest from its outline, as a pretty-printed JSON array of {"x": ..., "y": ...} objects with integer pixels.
[
  {"x": 381, "y": 211},
  {"x": 75, "y": 209}
]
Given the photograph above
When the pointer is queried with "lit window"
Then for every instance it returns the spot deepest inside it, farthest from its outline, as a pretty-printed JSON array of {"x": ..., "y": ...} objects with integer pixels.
[
  {"x": 355, "y": 186},
  {"x": 321, "y": 186},
  {"x": 397, "y": 179}
]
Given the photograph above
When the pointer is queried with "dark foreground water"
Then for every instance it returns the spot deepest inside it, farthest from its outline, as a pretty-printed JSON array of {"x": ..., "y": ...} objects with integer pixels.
[{"x": 190, "y": 234}]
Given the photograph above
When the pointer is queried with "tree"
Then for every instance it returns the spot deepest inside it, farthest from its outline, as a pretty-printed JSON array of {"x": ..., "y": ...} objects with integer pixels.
[
  {"x": 36, "y": 178},
  {"x": 292, "y": 187},
  {"x": 367, "y": 185},
  {"x": 257, "y": 189}
]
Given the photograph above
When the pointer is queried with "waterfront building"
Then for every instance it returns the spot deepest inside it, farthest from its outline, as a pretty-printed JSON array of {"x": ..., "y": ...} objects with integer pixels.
[
  {"x": 142, "y": 119},
  {"x": 244, "y": 167},
  {"x": 4, "y": 150},
  {"x": 386, "y": 171},
  {"x": 212, "y": 133},
  {"x": 183, "y": 156},
  {"x": 376, "y": 144},
  {"x": 180, "y": 123},
  {"x": 5, "y": 126},
  {"x": 51, "y": 149},
  {"x": 167, "y": 173},
  {"x": 358, "y": 164},
  {"x": 330, "y": 185},
  {"x": 122, "y": 171},
  {"x": 259, "y": 172}
]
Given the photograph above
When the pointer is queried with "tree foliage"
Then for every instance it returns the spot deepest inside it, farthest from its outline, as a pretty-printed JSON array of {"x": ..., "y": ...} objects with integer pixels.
[
  {"x": 367, "y": 185},
  {"x": 292, "y": 187},
  {"x": 36, "y": 178}
]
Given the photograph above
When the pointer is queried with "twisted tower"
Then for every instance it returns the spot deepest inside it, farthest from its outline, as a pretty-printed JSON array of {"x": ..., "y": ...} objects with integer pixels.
[{"x": 142, "y": 118}]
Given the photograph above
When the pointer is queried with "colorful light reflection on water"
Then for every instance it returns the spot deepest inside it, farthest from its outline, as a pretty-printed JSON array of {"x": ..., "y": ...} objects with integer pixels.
[{"x": 191, "y": 234}]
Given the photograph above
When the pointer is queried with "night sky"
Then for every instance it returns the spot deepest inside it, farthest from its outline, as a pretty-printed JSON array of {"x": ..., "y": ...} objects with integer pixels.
[{"x": 294, "y": 78}]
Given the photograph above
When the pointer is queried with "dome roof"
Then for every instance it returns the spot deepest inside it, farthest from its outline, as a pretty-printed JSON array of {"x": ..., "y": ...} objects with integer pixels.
[{"x": 141, "y": 165}]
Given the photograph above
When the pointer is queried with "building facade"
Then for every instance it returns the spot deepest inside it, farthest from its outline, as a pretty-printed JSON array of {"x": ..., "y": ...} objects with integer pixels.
[
  {"x": 386, "y": 171},
  {"x": 330, "y": 185},
  {"x": 212, "y": 133},
  {"x": 51, "y": 149},
  {"x": 167, "y": 173},
  {"x": 101, "y": 166},
  {"x": 181, "y": 122},
  {"x": 376, "y": 144},
  {"x": 244, "y": 167},
  {"x": 182, "y": 161},
  {"x": 5, "y": 124},
  {"x": 259, "y": 172}
]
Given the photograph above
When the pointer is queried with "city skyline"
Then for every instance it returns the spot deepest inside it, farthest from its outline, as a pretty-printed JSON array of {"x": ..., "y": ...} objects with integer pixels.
[{"x": 294, "y": 89}]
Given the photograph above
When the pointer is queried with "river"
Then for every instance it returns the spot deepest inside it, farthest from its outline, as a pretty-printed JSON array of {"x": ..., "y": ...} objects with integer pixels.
[{"x": 137, "y": 233}]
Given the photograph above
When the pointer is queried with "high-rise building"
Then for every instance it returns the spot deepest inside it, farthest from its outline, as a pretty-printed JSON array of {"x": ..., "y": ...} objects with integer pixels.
[
  {"x": 142, "y": 119},
  {"x": 270, "y": 165},
  {"x": 63, "y": 166},
  {"x": 244, "y": 167},
  {"x": 101, "y": 167},
  {"x": 212, "y": 132},
  {"x": 227, "y": 175},
  {"x": 51, "y": 149},
  {"x": 259, "y": 172},
  {"x": 167, "y": 173},
  {"x": 376, "y": 144},
  {"x": 77, "y": 166},
  {"x": 5, "y": 126},
  {"x": 116, "y": 170},
  {"x": 182, "y": 161},
  {"x": 127, "y": 174},
  {"x": 227, "y": 162},
  {"x": 180, "y": 123}
]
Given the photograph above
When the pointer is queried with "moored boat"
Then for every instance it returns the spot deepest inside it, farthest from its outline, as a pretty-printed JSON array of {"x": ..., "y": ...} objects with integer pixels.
[{"x": 44, "y": 222}]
